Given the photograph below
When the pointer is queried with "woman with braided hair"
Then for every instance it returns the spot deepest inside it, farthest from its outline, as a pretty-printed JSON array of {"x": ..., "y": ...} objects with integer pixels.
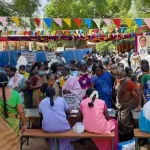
[
  {"x": 11, "y": 105},
  {"x": 53, "y": 111},
  {"x": 96, "y": 119}
]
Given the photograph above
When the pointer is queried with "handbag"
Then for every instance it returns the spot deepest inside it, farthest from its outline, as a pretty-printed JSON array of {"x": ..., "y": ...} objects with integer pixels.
[{"x": 128, "y": 145}]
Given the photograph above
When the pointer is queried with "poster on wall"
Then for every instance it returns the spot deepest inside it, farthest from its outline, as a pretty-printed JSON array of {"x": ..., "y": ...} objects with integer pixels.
[
  {"x": 31, "y": 57},
  {"x": 50, "y": 56},
  {"x": 143, "y": 45}
]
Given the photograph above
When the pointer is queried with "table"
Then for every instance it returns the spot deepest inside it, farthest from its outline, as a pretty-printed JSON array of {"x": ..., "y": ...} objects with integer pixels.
[
  {"x": 135, "y": 114},
  {"x": 34, "y": 113}
]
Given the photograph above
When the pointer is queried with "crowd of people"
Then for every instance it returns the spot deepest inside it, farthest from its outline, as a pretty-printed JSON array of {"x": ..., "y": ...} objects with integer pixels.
[{"x": 99, "y": 82}]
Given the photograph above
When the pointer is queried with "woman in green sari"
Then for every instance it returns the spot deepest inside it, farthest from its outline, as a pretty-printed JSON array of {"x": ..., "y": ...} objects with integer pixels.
[{"x": 11, "y": 106}]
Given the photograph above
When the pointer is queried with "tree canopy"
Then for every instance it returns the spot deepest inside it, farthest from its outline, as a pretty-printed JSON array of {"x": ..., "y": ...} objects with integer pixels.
[{"x": 22, "y": 8}]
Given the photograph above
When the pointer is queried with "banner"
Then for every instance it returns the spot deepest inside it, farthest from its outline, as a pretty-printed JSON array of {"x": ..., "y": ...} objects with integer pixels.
[{"x": 143, "y": 45}]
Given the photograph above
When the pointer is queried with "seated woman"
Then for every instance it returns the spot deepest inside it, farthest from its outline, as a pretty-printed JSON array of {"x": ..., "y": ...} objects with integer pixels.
[
  {"x": 54, "y": 117},
  {"x": 96, "y": 119},
  {"x": 144, "y": 120},
  {"x": 72, "y": 87}
]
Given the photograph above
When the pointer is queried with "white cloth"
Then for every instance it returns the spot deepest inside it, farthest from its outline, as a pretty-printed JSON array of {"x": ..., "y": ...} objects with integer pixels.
[
  {"x": 21, "y": 61},
  {"x": 142, "y": 52},
  {"x": 135, "y": 61},
  {"x": 124, "y": 62},
  {"x": 63, "y": 59},
  {"x": 148, "y": 59}
]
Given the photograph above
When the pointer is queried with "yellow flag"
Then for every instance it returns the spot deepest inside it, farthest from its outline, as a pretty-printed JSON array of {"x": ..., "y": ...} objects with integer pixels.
[
  {"x": 135, "y": 27},
  {"x": 16, "y": 20},
  {"x": 68, "y": 21},
  {"x": 129, "y": 22},
  {"x": 90, "y": 31},
  {"x": 53, "y": 32}
]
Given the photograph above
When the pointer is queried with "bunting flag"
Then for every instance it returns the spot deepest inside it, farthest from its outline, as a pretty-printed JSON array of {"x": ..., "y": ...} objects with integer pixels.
[
  {"x": 3, "y": 21},
  {"x": 48, "y": 22},
  {"x": 135, "y": 27},
  {"x": 78, "y": 22},
  {"x": 147, "y": 21},
  {"x": 128, "y": 22},
  {"x": 105, "y": 30},
  {"x": 88, "y": 22},
  {"x": 122, "y": 29},
  {"x": 27, "y": 20},
  {"x": 58, "y": 21},
  {"x": 117, "y": 22},
  {"x": 67, "y": 21},
  {"x": 37, "y": 21},
  {"x": 98, "y": 22},
  {"x": 16, "y": 20},
  {"x": 107, "y": 21},
  {"x": 138, "y": 22}
]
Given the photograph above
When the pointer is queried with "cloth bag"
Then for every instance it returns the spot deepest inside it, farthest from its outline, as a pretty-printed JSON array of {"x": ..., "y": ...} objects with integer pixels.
[
  {"x": 128, "y": 145},
  {"x": 78, "y": 127}
]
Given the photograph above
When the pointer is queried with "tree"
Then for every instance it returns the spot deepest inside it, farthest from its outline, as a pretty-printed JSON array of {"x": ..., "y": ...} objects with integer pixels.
[
  {"x": 105, "y": 46},
  {"x": 23, "y": 8},
  {"x": 142, "y": 8},
  {"x": 86, "y": 9}
]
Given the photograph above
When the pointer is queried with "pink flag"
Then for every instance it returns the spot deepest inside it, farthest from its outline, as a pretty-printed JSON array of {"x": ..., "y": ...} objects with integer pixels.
[
  {"x": 58, "y": 21},
  {"x": 3, "y": 21},
  {"x": 107, "y": 21},
  {"x": 147, "y": 21}
]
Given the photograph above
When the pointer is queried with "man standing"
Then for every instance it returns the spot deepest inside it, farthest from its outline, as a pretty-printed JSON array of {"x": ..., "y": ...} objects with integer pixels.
[{"x": 21, "y": 61}]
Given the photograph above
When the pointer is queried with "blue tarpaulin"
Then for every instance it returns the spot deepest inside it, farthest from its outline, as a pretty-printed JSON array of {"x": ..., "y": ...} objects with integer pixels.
[{"x": 10, "y": 57}]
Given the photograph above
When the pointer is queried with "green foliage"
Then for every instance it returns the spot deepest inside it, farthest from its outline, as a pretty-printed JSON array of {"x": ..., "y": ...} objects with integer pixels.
[
  {"x": 85, "y": 9},
  {"x": 105, "y": 46},
  {"x": 22, "y": 8}
]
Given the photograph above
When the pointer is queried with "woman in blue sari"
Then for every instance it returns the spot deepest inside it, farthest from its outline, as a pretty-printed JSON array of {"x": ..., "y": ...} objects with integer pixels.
[{"x": 102, "y": 82}]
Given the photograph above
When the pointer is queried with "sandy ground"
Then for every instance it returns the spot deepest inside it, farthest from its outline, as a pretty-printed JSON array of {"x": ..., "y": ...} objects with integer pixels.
[{"x": 40, "y": 144}]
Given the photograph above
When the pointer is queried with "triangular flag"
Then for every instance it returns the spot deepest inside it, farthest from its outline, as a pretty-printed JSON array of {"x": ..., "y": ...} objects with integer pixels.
[
  {"x": 105, "y": 30},
  {"x": 67, "y": 21},
  {"x": 16, "y": 20},
  {"x": 27, "y": 20},
  {"x": 147, "y": 21},
  {"x": 78, "y": 22},
  {"x": 37, "y": 21},
  {"x": 98, "y": 22},
  {"x": 128, "y": 22},
  {"x": 135, "y": 27},
  {"x": 58, "y": 21},
  {"x": 48, "y": 21},
  {"x": 88, "y": 22},
  {"x": 117, "y": 22},
  {"x": 138, "y": 22},
  {"x": 107, "y": 21},
  {"x": 122, "y": 29},
  {"x": 3, "y": 21}
]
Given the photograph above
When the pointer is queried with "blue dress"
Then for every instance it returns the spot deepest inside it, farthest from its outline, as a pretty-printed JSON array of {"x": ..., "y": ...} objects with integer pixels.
[
  {"x": 55, "y": 120},
  {"x": 103, "y": 84}
]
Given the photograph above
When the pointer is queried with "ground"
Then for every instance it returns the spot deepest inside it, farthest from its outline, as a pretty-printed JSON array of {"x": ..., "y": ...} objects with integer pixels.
[{"x": 40, "y": 144}]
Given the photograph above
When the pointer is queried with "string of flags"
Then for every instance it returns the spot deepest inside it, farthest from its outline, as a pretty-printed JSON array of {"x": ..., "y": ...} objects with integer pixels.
[
  {"x": 69, "y": 21},
  {"x": 77, "y": 21}
]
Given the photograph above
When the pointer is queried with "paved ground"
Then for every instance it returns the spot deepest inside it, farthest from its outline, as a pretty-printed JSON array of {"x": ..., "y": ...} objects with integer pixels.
[{"x": 40, "y": 144}]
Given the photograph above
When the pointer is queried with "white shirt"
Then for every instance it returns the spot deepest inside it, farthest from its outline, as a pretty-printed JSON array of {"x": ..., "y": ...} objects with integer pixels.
[
  {"x": 124, "y": 62},
  {"x": 21, "y": 61},
  {"x": 148, "y": 59}
]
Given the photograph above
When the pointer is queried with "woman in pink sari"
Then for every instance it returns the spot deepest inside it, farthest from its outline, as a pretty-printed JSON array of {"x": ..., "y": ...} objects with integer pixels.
[
  {"x": 72, "y": 86},
  {"x": 96, "y": 119}
]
